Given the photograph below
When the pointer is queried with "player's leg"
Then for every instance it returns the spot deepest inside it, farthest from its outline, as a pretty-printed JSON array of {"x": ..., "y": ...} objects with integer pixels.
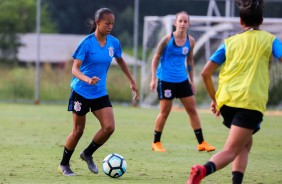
[
  {"x": 165, "y": 108},
  {"x": 107, "y": 122},
  {"x": 165, "y": 95},
  {"x": 106, "y": 119},
  {"x": 102, "y": 110},
  {"x": 237, "y": 139},
  {"x": 72, "y": 140},
  {"x": 239, "y": 164},
  {"x": 189, "y": 104},
  {"x": 78, "y": 106},
  {"x": 77, "y": 131}
]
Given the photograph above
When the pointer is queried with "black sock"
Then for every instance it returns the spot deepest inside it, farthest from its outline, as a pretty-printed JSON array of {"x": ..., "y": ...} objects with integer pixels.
[
  {"x": 199, "y": 135},
  {"x": 157, "y": 136},
  {"x": 210, "y": 168},
  {"x": 237, "y": 177},
  {"x": 91, "y": 148},
  {"x": 66, "y": 157}
]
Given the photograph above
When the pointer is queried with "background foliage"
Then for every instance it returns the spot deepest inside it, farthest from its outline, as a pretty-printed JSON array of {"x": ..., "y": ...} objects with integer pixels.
[
  {"x": 71, "y": 17},
  {"x": 19, "y": 16}
]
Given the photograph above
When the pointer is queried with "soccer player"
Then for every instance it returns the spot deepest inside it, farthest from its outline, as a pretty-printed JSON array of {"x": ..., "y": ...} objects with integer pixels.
[
  {"x": 242, "y": 93},
  {"x": 172, "y": 81},
  {"x": 92, "y": 60}
]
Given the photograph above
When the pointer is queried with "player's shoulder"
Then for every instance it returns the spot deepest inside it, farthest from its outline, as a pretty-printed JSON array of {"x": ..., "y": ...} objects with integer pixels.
[
  {"x": 112, "y": 38},
  {"x": 191, "y": 38},
  {"x": 166, "y": 38},
  {"x": 87, "y": 38}
]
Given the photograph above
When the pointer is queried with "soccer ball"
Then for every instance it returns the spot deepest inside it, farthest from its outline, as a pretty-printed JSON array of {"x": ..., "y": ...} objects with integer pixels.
[{"x": 114, "y": 165}]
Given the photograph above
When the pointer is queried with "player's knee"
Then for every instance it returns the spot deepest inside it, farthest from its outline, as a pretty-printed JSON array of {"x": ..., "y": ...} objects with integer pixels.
[
  {"x": 231, "y": 153},
  {"x": 78, "y": 133},
  {"x": 109, "y": 129},
  {"x": 165, "y": 113},
  {"x": 249, "y": 146}
]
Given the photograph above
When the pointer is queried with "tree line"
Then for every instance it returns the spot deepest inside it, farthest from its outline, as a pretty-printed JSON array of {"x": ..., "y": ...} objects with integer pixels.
[{"x": 70, "y": 17}]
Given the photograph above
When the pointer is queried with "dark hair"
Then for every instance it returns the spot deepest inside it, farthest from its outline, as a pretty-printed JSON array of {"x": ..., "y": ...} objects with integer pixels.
[
  {"x": 98, "y": 16},
  {"x": 251, "y": 11},
  {"x": 181, "y": 12}
]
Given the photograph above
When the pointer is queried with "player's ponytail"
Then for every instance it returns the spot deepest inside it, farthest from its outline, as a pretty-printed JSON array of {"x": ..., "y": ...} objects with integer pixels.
[{"x": 92, "y": 25}]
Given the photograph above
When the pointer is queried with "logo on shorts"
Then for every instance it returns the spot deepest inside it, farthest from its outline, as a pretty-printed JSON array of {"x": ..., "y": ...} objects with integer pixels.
[
  {"x": 167, "y": 93},
  {"x": 185, "y": 50},
  {"x": 77, "y": 106},
  {"x": 111, "y": 51}
]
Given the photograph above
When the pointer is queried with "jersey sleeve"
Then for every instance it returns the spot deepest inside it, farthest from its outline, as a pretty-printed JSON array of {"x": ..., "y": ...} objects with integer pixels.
[
  {"x": 277, "y": 48},
  {"x": 219, "y": 56},
  {"x": 80, "y": 52},
  {"x": 118, "y": 50}
]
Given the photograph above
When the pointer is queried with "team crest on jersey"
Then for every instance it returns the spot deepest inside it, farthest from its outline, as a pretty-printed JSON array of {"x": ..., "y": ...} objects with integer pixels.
[
  {"x": 77, "y": 106},
  {"x": 167, "y": 93},
  {"x": 185, "y": 50},
  {"x": 111, "y": 51}
]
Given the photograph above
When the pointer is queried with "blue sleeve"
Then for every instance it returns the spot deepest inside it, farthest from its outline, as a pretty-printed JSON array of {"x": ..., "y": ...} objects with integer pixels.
[
  {"x": 118, "y": 50},
  {"x": 277, "y": 48},
  {"x": 219, "y": 55},
  {"x": 80, "y": 52}
]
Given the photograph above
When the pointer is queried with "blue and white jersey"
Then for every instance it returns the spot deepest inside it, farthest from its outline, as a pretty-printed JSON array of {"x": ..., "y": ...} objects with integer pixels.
[
  {"x": 172, "y": 67},
  {"x": 96, "y": 61}
]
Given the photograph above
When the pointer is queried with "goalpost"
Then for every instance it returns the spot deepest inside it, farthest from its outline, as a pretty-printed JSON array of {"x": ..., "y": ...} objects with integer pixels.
[{"x": 208, "y": 31}]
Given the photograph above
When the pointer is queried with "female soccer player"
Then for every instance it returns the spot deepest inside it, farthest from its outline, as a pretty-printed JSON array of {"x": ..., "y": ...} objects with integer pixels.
[
  {"x": 173, "y": 81},
  {"x": 242, "y": 93},
  {"x": 92, "y": 60}
]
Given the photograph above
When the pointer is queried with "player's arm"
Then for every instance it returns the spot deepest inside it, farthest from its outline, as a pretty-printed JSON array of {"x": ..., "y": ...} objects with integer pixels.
[
  {"x": 156, "y": 58},
  {"x": 216, "y": 60},
  {"x": 207, "y": 72},
  {"x": 190, "y": 62},
  {"x": 126, "y": 71},
  {"x": 78, "y": 74},
  {"x": 277, "y": 49}
]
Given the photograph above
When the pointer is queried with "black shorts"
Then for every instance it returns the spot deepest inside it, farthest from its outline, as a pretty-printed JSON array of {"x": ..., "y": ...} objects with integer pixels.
[
  {"x": 81, "y": 106},
  {"x": 245, "y": 118},
  {"x": 169, "y": 90}
]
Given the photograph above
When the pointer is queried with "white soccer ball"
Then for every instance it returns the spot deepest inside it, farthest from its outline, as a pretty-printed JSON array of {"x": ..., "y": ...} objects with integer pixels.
[{"x": 114, "y": 165}]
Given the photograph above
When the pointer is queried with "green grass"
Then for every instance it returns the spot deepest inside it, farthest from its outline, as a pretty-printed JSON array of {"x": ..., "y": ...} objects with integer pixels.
[{"x": 32, "y": 139}]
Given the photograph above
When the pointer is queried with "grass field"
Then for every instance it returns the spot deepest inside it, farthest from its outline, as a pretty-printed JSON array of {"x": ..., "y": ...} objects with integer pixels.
[{"x": 32, "y": 139}]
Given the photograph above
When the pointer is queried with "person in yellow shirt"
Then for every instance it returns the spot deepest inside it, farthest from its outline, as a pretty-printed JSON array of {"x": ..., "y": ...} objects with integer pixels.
[{"x": 242, "y": 91}]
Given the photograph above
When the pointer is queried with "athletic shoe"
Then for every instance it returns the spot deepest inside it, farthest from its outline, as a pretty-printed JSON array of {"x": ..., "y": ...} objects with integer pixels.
[
  {"x": 89, "y": 160},
  {"x": 197, "y": 173},
  {"x": 158, "y": 147},
  {"x": 65, "y": 170},
  {"x": 204, "y": 146}
]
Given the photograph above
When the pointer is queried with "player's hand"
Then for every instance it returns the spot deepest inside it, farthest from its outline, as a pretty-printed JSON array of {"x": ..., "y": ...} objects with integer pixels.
[
  {"x": 153, "y": 85},
  {"x": 194, "y": 89},
  {"x": 94, "y": 80},
  {"x": 134, "y": 90},
  {"x": 213, "y": 109}
]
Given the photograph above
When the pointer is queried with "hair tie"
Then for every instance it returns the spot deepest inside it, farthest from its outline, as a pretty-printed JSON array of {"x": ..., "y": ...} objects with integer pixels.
[{"x": 244, "y": 4}]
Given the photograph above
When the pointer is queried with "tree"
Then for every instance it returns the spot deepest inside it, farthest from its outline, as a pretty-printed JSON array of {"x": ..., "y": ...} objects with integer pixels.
[{"x": 19, "y": 16}]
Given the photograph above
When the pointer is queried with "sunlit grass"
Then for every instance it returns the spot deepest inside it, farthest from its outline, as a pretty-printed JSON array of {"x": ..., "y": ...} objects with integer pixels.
[{"x": 32, "y": 139}]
